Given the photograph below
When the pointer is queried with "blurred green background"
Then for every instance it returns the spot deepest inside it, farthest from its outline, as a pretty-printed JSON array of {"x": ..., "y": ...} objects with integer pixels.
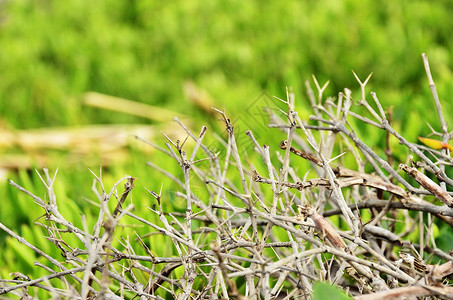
[{"x": 52, "y": 52}]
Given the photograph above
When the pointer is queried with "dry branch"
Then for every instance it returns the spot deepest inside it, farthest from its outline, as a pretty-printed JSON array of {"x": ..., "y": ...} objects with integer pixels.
[{"x": 264, "y": 234}]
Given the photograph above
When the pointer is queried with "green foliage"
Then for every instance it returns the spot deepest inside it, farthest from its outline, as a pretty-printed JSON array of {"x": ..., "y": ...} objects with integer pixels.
[
  {"x": 144, "y": 50},
  {"x": 324, "y": 290},
  {"x": 445, "y": 241}
]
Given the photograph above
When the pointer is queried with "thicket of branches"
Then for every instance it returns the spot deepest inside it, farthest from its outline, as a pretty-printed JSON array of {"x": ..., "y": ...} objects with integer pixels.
[{"x": 266, "y": 234}]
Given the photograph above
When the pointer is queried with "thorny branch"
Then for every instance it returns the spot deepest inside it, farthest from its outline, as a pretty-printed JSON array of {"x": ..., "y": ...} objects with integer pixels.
[{"x": 262, "y": 228}]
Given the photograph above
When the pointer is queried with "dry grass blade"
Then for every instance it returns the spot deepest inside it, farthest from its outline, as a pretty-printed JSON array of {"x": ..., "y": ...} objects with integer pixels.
[{"x": 130, "y": 107}]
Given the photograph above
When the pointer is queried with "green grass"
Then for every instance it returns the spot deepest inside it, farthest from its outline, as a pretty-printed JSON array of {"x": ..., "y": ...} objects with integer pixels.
[{"x": 143, "y": 50}]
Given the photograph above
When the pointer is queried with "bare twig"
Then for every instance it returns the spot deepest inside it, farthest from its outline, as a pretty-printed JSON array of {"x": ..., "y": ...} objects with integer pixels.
[{"x": 272, "y": 232}]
